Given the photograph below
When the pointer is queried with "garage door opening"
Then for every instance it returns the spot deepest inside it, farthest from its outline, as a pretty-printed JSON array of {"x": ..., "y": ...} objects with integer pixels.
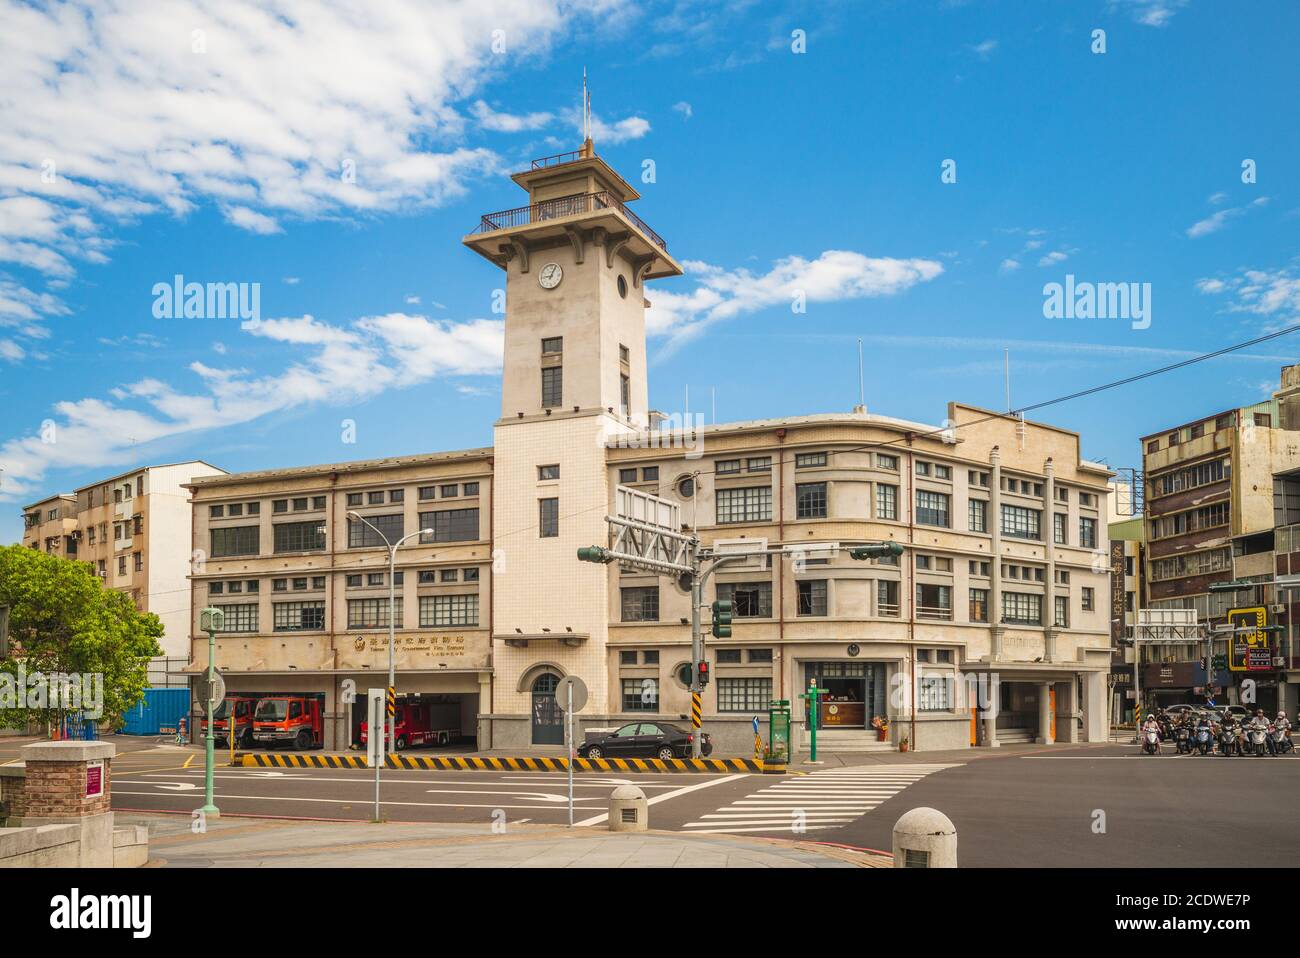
[{"x": 428, "y": 720}]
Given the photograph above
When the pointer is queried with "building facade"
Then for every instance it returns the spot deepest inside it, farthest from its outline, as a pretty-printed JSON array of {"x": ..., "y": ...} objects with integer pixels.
[
  {"x": 133, "y": 529},
  {"x": 1001, "y": 597}
]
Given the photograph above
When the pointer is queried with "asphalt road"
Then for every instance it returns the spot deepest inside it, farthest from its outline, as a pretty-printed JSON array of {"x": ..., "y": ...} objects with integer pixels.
[{"x": 1102, "y": 805}]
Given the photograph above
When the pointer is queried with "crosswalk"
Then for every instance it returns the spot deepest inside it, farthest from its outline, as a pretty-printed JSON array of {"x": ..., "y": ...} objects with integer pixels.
[{"x": 830, "y": 798}]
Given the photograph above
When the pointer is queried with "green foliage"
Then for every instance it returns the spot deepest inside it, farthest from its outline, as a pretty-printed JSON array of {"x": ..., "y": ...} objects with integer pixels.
[{"x": 63, "y": 620}]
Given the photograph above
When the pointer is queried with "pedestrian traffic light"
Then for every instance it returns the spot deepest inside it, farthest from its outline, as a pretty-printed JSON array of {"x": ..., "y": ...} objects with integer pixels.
[
  {"x": 702, "y": 670},
  {"x": 722, "y": 619},
  {"x": 880, "y": 550},
  {"x": 595, "y": 554}
]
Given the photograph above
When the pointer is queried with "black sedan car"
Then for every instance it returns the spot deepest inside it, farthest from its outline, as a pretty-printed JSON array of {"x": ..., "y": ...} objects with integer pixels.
[{"x": 644, "y": 740}]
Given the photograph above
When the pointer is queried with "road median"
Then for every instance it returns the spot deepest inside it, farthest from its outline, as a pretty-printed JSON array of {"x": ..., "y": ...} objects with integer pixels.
[{"x": 512, "y": 763}]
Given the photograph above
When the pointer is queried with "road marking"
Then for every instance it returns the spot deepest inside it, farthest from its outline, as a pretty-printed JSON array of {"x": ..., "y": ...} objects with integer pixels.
[
  {"x": 188, "y": 761},
  {"x": 336, "y": 801},
  {"x": 829, "y": 798},
  {"x": 707, "y": 783}
]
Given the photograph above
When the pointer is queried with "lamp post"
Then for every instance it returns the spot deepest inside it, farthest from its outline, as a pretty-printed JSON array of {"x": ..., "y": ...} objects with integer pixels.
[
  {"x": 391, "y": 725},
  {"x": 211, "y": 621}
]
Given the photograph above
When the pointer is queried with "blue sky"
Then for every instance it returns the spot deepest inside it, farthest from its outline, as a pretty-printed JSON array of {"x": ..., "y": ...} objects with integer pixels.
[{"x": 215, "y": 140}]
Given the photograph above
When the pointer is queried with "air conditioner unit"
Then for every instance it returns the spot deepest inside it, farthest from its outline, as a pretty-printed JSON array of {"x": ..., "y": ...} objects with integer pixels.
[
  {"x": 1277, "y": 609},
  {"x": 1279, "y": 662}
]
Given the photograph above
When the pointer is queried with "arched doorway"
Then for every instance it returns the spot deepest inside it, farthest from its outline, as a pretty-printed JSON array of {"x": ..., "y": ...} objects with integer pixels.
[{"x": 548, "y": 717}]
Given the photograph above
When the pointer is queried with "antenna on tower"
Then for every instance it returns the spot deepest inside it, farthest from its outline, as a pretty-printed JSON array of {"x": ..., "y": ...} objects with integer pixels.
[{"x": 586, "y": 111}]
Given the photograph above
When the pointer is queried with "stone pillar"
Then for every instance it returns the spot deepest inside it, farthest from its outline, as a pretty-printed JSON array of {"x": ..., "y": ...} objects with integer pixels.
[
  {"x": 1044, "y": 713},
  {"x": 1096, "y": 722},
  {"x": 69, "y": 783},
  {"x": 1067, "y": 712},
  {"x": 1048, "y": 529},
  {"x": 995, "y": 554}
]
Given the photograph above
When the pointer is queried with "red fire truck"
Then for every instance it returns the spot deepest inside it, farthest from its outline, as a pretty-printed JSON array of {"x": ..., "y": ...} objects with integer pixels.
[
  {"x": 242, "y": 706},
  {"x": 423, "y": 723},
  {"x": 295, "y": 719}
]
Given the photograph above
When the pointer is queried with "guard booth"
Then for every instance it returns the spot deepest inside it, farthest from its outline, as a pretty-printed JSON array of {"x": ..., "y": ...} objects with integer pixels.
[{"x": 778, "y": 730}]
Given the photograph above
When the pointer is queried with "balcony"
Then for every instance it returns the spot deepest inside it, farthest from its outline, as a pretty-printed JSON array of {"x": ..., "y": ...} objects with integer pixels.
[{"x": 563, "y": 207}]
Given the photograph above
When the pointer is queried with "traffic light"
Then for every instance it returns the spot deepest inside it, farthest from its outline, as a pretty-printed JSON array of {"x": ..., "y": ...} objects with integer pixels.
[
  {"x": 1233, "y": 585},
  {"x": 702, "y": 670},
  {"x": 595, "y": 554},
  {"x": 722, "y": 619},
  {"x": 880, "y": 550}
]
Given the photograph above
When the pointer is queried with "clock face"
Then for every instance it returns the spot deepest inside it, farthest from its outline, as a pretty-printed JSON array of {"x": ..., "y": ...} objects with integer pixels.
[{"x": 550, "y": 276}]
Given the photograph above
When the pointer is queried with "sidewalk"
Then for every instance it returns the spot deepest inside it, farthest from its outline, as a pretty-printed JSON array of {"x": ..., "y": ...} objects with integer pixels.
[{"x": 282, "y": 843}]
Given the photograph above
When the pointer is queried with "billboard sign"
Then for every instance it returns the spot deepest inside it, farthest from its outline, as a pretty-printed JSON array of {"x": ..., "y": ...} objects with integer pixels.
[{"x": 1248, "y": 644}]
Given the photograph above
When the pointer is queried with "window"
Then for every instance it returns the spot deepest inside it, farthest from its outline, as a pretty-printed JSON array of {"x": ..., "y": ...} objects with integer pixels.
[
  {"x": 425, "y": 492},
  {"x": 548, "y": 518},
  {"x": 884, "y": 461},
  {"x": 375, "y": 498},
  {"x": 627, "y": 658},
  {"x": 372, "y": 614},
  {"x": 298, "y": 616},
  {"x": 234, "y": 541},
  {"x": 978, "y": 479},
  {"x": 318, "y": 582},
  {"x": 979, "y": 605},
  {"x": 886, "y": 501},
  {"x": 449, "y": 491},
  {"x": 812, "y": 597},
  {"x": 650, "y": 474},
  {"x": 1153, "y": 445},
  {"x": 548, "y": 472},
  {"x": 394, "y": 495},
  {"x": 886, "y": 597},
  {"x": 436, "y": 610},
  {"x": 362, "y": 536},
  {"x": 933, "y": 601},
  {"x": 749, "y": 600},
  {"x": 624, "y": 390},
  {"x": 354, "y": 499},
  {"x": 353, "y": 581},
  {"x": 744, "y": 695},
  {"x": 1061, "y": 611},
  {"x": 137, "y": 525},
  {"x": 138, "y": 557},
  {"x": 976, "y": 567},
  {"x": 1058, "y": 528},
  {"x": 624, "y": 356},
  {"x": 752, "y": 504},
  {"x": 1088, "y": 599},
  {"x": 1062, "y": 494},
  {"x": 1024, "y": 608},
  {"x": 216, "y": 512},
  {"x": 640, "y": 604},
  {"x": 300, "y": 584},
  {"x": 1264, "y": 419},
  {"x": 450, "y": 525},
  {"x": 239, "y": 618},
  {"x": 809, "y": 460},
  {"x": 469, "y": 575},
  {"x": 934, "y": 693},
  {"x": 627, "y": 476},
  {"x": 216, "y": 588},
  {"x": 931, "y": 508},
  {"x": 728, "y": 656},
  {"x": 810, "y": 500},
  {"x": 942, "y": 472},
  {"x": 1020, "y": 522},
  {"x": 299, "y": 536},
  {"x": 372, "y": 579},
  {"x": 979, "y": 515},
  {"x": 1088, "y": 533},
  {"x": 552, "y": 386},
  {"x": 300, "y": 504},
  {"x": 726, "y": 467},
  {"x": 236, "y": 509},
  {"x": 282, "y": 585},
  {"x": 922, "y": 468},
  {"x": 552, "y": 345},
  {"x": 470, "y": 489},
  {"x": 640, "y": 695},
  {"x": 759, "y": 464}
]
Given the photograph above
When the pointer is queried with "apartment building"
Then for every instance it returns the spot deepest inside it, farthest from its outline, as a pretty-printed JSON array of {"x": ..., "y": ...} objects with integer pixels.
[
  {"x": 133, "y": 529},
  {"x": 1211, "y": 513},
  {"x": 1127, "y": 592},
  {"x": 1003, "y": 585}
]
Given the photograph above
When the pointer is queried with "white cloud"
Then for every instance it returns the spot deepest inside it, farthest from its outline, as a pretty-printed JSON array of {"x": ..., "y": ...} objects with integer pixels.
[
  {"x": 1152, "y": 13},
  {"x": 292, "y": 280},
  {"x": 684, "y": 109},
  {"x": 219, "y": 348},
  {"x": 11, "y": 351},
  {"x": 985, "y": 49},
  {"x": 1054, "y": 257},
  {"x": 1217, "y": 198},
  {"x": 1216, "y": 221},
  {"x": 1271, "y": 293},
  {"x": 619, "y": 131},
  {"x": 1211, "y": 286},
  {"x": 412, "y": 300},
  {"x": 489, "y": 119},
  {"x": 252, "y": 221},
  {"x": 725, "y": 294},
  {"x": 1009, "y": 265}
]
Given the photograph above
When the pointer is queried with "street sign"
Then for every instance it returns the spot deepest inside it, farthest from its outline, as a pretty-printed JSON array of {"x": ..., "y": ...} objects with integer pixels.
[
  {"x": 214, "y": 694},
  {"x": 579, "y": 700},
  {"x": 1248, "y": 644}
]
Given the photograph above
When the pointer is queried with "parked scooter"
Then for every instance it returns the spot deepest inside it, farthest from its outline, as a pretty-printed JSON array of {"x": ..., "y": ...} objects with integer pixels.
[{"x": 1204, "y": 738}]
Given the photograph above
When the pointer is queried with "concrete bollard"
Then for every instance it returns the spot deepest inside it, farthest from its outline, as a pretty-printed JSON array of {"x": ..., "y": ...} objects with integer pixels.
[
  {"x": 628, "y": 810},
  {"x": 925, "y": 838}
]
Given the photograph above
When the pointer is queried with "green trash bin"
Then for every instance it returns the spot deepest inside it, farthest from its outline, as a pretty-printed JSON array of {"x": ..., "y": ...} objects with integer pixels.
[{"x": 778, "y": 731}]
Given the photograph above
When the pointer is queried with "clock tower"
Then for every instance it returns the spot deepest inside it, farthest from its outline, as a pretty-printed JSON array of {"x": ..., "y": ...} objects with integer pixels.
[{"x": 576, "y": 260}]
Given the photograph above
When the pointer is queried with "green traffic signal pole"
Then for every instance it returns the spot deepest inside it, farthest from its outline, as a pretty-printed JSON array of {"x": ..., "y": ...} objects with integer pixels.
[{"x": 813, "y": 693}]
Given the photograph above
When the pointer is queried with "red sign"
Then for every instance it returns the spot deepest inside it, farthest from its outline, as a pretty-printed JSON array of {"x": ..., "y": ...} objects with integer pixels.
[{"x": 94, "y": 779}]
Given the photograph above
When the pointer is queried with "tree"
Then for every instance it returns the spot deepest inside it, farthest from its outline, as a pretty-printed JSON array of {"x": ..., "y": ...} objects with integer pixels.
[{"x": 64, "y": 622}]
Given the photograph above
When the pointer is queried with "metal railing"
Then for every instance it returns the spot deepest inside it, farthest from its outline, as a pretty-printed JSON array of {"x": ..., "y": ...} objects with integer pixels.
[
  {"x": 564, "y": 206},
  {"x": 933, "y": 612},
  {"x": 557, "y": 159}
]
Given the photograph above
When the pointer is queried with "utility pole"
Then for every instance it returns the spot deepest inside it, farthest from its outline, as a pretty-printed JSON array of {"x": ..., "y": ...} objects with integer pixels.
[{"x": 211, "y": 621}]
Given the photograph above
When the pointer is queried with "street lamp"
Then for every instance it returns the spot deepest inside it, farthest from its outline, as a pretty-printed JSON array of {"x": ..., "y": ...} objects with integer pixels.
[
  {"x": 391, "y": 731},
  {"x": 212, "y": 620}
]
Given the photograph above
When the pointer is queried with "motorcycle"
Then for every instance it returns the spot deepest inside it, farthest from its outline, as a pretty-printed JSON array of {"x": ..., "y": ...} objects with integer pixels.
[
  {"x": 1204, "y": 739},
  {"x": 1279, "y": 742},
  {"x": 1228, "y": 744},
  {"x": 1183, "y": 739},
  {"x": 1151, "y": 741},
  {"x": 1257, "y": 739}
]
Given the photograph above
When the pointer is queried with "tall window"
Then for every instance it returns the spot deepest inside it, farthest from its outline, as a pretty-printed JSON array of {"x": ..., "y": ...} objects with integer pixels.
[
  {"x": 1023, "y": 608},
  {"x": 748, "y": 599},
  {"x": 640, "y": 604},
  {"x": 934, "y": 693},
  {"x": 438, "y": 610},
  {"x": 625, "y": 394},
  {"x": 933, "y": 601},
  {"x": 552, "y": 387},
  {"x": 886, "y": 597},
  {"x": 1020, "y": 522},
  {"x": 812, "y": 597},
  {"x": 979, "y": 605},
  {"x": 372, "y": 613},
  {"x": 361, "y": 536},
  {"x": 1088, "y": 533},
  {"x": 298, "y": 616},
  {"x": 548, "y": 517},
  {"x": 1088, "y": 599},
  {"x": 745, "y": 505},
  {"x": 932, "y": 508},
  {"x": 299, "y": 536},
  {"x": 886, "y": 501},
  {"x": 1061, "y": 611},
  {"x": 234, "y": 541},
  {"x": 979, "y": 515},
  {"x": 810, "y": 500},
  {"x": 641, "y": 695},
  {"x": 1058, "y": 528}
]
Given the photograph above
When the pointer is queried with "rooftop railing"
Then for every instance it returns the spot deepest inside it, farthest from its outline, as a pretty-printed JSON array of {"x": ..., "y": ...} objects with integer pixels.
[{"x": 565, "y": 206}]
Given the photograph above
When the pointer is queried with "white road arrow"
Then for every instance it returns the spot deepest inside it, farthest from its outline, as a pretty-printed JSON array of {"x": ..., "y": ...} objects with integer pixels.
[
  {"x": 177, "y": 786},
  {"x": 535, "y": 796}
]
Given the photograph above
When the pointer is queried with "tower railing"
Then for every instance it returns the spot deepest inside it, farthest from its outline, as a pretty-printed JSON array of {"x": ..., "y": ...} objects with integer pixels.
[{"x": 563, "y": 206}]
